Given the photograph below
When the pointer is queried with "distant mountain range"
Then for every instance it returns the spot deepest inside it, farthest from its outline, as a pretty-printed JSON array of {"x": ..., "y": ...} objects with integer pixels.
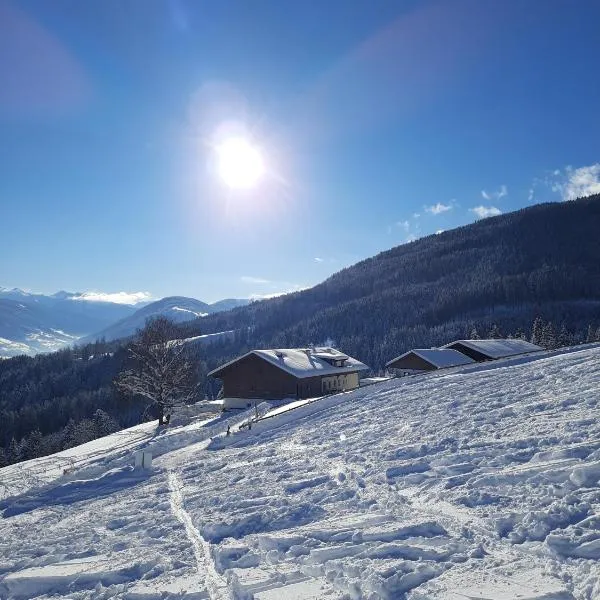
[
  {"x": 176, "y": 308},
  {"x": 33, "y": 323}
]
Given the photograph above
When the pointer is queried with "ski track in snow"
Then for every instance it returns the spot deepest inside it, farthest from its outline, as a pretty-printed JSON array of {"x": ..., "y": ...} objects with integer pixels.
[
  {"x": 215, "y": 584},
  {"x": 475, "y": 483}
]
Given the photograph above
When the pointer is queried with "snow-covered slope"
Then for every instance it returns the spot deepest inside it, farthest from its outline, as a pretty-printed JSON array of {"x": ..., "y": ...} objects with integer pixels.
[
  {"x": 478, "y": 482},
  {"x": 177, "y": 308}
]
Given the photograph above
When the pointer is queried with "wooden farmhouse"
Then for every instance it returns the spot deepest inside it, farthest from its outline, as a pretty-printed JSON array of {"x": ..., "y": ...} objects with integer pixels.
[
  {"x": 480, "y": 350},
  {"x": 431, "y": 359},
  {"x": 287, "y": 373}
]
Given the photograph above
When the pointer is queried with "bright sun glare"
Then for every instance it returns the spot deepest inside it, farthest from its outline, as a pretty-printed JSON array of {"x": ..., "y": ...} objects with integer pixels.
[{"x": 240, "y": 164}]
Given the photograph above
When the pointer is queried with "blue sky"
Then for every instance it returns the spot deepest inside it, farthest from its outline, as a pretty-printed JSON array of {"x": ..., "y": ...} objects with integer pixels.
[{"x": 379, "y": 122}]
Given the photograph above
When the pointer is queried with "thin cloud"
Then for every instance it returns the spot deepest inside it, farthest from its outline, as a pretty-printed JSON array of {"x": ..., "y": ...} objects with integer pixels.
[
  {"x": 253, "y": 280},
  {"x": 551, "y": 180},
  {"x": 500, "y": 193},
  {"x": 268, "y": 296},
  {"x": 116, "y": 297},
  {"x": 411, "y": 230},
  {"x": 483, "y": 212},
  {"x": 293, "y": 288},
  {"x": 326, "y": 259},
  {"x": 438, "y": 208}
]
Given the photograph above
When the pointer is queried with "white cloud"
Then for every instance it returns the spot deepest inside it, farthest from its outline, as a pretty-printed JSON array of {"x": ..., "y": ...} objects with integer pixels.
[
  {"x": 570, "y": 183},
  {"x": 551, "y": 180},
  {"x": 584, "y": 181},
  {"x": 253, "y": 280},
  {"x": 411, "y": 228},
  {"x": 116, "y": 297},
  {"x": 319, "y": 260},
  {"x": 438, "y": 208},
  {"x": 486, "y": 211},
  {"x": 439, "y": 231},
  {"x": 500, "y": 193}
]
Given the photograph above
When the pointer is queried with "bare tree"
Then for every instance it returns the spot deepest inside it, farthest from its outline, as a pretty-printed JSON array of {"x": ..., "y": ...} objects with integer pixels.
[{"x": 161, "y": 369}]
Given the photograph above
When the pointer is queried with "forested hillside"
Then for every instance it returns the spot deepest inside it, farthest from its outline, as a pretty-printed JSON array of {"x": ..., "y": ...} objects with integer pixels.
[
  {"x": 496, "y": 275},
  {"x": 543, "y": 260}
]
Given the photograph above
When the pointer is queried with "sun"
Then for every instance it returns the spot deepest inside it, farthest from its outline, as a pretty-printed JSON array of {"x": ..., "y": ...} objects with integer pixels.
[{"x": 240, "y": 164}]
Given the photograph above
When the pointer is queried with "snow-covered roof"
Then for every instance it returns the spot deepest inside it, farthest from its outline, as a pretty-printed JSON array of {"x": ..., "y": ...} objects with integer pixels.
[
  {"x": 438, "y": 357},
  {"x": 498, "y": 348},
  {"x": 303, "y": 362}
]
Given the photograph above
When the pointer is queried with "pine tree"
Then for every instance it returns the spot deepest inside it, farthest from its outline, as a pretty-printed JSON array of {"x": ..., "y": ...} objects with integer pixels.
[
  {"x": 494, "y": 332},
  {"x": 84, "y": 431},
  {"x": 32, "y": 445},
  {"x": 15, "y": 453},
  {"x": 104, "y": 423},
  {"x": 68, "y": 435},
  {"x": 520, "y": 334},
  {"x": 51, "y": 443},
  {"x": 549, "y": 337},
  {"x": 590, "y": 337},
  {"x": 537, "y": 332},
  {"x": 565, "y": 337},
  {"x": 474, "y": 335}
]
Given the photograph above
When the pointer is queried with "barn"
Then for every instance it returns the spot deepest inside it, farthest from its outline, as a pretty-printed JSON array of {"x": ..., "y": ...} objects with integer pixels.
[
  {"x": 277, "y": 374},
  {"x": 431, "y": 359},
  {"x": 480, "y": 350}
]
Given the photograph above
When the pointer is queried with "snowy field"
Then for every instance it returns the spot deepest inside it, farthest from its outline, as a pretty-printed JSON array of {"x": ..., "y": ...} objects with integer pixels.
[{"x": 481, "y": 482}]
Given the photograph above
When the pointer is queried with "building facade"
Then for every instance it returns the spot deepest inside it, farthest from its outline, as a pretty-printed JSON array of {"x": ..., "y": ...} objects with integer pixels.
[{"x": 288, "y": 374}]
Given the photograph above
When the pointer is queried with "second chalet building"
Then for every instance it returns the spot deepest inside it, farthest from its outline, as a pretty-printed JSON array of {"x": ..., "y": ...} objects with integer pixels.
[
  {"x": 459, "y": 353},
  {"x": 287, "y": 373},
  {"x": 431, "y": 359},
  {"x": 492, "y": 349}
]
